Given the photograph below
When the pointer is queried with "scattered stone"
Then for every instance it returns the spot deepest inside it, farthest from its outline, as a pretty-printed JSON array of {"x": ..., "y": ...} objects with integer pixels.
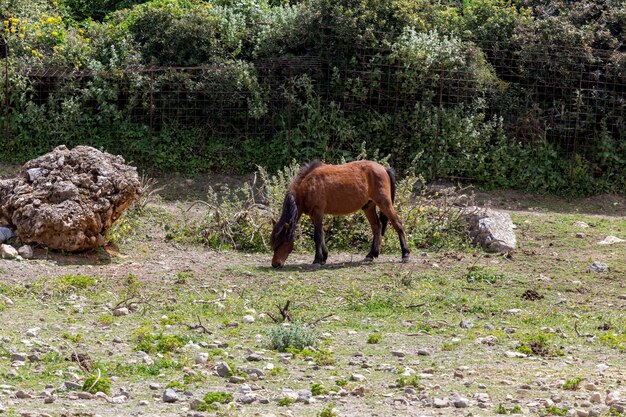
[
  {"x": 490, "y": 340},
  {"x": 398, "y": 353},
  {"x": 236, "y": 379},
  {"x": 248, "y": 319},
  {"x": 23, "y": 395},
  {"x": 122, "y": 311},
  {"x": 33, "y": 332},
  {"x": 423, "y": 352},
  {"x": 441, "y": 403},
  {"x": 170, "y": 396},
  {"x": 223, "y": 369},
  {"x": 514, "y": 354},
  {"x": 598, "y": 267},
  {"x": 610, "y": 240},
  {"x": 72, "y": 386},
  {"x": 491, "y": 229},
  {"x": 248, "y": 398},
  {"x": 201, "y": 357},
  {"x": 305, "y": 395},
  {"x": 357, "y": 377},
  {"x": 461, "y": 402},
  {"x": 83, "y": 395},
  {"x": 144, "y": 403},
  {"x": 195, "y": 404},
  {"x": 466, "y": 324},
  {"x": 18, "y": 357},
  {"x": 595, "y": 398},
  {"x": 48, "y": 399},
  {"x": 254, "y": 357},
  {"x": 26, "y": 251},
  {"x": 8, "y": 252},
  {"x": 582, "y": 225}
]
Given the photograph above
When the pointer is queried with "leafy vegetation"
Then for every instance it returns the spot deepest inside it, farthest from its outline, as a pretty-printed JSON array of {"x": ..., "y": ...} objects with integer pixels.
[
  {"x": 524, "y": 93},
  {"x": 294, "y": 335}
]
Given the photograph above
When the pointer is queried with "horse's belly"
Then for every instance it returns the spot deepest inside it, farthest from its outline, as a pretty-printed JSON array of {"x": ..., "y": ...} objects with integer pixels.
[{"x": 345, "y": 203}]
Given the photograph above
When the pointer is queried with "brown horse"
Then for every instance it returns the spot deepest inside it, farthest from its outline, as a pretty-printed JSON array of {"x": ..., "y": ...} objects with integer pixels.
[{"x": 320, "y": 189}]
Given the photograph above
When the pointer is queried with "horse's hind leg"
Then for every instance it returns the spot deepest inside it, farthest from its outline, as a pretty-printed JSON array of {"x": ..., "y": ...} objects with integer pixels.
[
  {"x": 321, "y": 252},
  {"x": 387, "y": 208},
  {"x": 372, "y": 217}
]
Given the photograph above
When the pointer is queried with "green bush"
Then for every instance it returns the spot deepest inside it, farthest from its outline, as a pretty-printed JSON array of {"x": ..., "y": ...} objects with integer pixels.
[{"x": 295, "y": 336}]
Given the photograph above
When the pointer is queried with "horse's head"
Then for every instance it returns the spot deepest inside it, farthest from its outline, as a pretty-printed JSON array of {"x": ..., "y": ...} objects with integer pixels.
[
  {"x": 281, "y": 242},
  {"x": 284, "y": 230}
]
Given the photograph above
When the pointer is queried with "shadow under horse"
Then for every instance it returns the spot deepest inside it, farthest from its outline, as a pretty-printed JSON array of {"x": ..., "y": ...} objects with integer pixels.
[{"x": 320, "y": 189}]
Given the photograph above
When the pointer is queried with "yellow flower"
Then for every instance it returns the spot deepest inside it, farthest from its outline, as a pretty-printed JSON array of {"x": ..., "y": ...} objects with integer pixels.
[
  {"x": 21, "y": 35},
  {"x": 6, "y": 30},
  {"x": 87, "y": 39},
  {"x": 13, "y": 30},
  {"x": 50, "y": 19},
  {"x": 6, "y": 23},
  {"x": 34, "y": 52},
  {"x": 55, "y": 33},
  {"x": 54, "y": 3},
  {"x": 39, "y": 34}
]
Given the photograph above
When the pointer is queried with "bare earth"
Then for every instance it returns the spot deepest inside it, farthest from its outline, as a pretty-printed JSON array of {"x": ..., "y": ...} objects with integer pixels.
[{"x": 444, "y": 334}]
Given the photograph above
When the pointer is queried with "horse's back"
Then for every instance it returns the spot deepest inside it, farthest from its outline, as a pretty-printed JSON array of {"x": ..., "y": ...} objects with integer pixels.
[{"x": 343, "y": 189}]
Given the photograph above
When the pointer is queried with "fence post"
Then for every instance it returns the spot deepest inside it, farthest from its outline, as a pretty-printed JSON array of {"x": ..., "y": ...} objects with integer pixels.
[
  {"x": 150, "y": 126},
  {"x": 7, "y": 92},
  {"x": 434, "y": 166},
  {"x": 289, "y": 116}
]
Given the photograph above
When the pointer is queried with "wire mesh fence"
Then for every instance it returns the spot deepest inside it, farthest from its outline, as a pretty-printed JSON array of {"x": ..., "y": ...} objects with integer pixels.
[{"x": 273, "y": 110}]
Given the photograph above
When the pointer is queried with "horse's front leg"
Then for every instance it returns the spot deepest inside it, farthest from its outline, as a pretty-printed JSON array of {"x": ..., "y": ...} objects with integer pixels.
[{"x": 321, "y": 252}]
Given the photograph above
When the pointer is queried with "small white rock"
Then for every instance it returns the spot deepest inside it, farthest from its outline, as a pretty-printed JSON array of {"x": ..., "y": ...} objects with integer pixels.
[{"x": 248, "y": 318}]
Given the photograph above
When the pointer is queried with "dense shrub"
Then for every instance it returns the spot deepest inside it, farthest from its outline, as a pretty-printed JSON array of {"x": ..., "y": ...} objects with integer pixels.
[{"x": 524, "y": 93}]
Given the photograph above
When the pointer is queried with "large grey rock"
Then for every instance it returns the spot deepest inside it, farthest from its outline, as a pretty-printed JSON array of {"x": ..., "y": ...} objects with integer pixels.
[
  {"x": 170, "y": 396},
  {"x": 67, "y": 199},
  {"x": 490, "y": 228}
]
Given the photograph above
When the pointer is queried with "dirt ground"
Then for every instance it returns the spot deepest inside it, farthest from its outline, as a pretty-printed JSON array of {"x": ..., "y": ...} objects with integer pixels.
[{"x": 449, "y": 333}]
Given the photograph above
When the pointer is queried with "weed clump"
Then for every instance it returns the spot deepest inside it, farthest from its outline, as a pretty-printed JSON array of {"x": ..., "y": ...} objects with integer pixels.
[
  {"x": 374, "y": 338},
  {"x": 479, "y": 274},
  {"x": 318, "y": 389},
  {"x": 573, "y": 384},
  {"x": 295, "y": 336},
  {"x": 328, "y": 411},
  {"x": 97, "y": 383},
  {"x": 210, "y": 399}
]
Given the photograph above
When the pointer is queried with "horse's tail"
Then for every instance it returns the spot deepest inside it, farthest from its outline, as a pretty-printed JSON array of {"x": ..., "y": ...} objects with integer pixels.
[{"x": 381, "y": 215}]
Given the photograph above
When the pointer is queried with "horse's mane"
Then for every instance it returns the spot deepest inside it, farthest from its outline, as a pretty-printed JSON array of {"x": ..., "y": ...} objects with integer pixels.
[
  {"x": 304, "y": 171},
  {"x": 288, "y": 215}
]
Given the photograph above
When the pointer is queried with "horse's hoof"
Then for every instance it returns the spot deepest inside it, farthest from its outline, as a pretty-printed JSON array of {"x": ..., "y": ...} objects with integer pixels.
[
  {"x": 405, "y": 259},
  {"x": 316, "y": 266},
  {"x": 368, "y": 259}
]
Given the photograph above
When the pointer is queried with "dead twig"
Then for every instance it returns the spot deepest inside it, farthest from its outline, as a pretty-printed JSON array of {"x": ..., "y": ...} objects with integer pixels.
[
  {"x": 283, "y": 312},
  {"x": 314, "y": 322},
  {"x": 579, "y": 334},
  {"x": 198, "y": 326}
]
